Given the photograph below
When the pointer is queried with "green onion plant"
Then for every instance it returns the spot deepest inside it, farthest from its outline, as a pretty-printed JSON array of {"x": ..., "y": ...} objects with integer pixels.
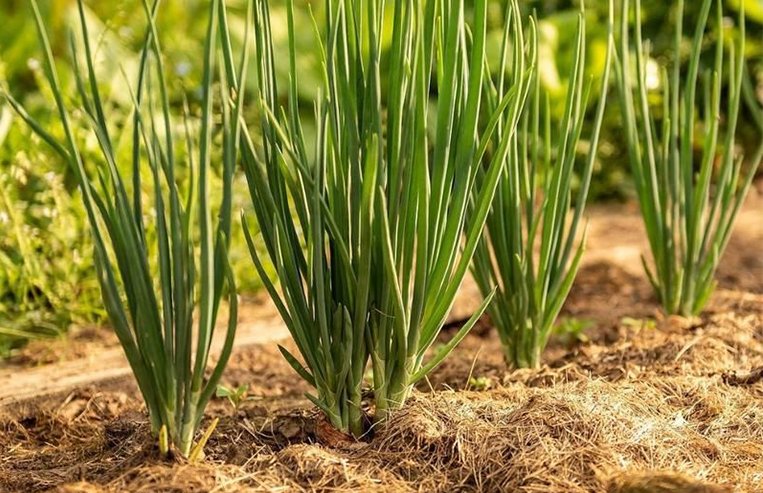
[
  {"x": 530, "y": 252},
  {"x": 167, "y": 347},
  {"x": 366, "y": 226},
  {"x": 689, "y": 178}
]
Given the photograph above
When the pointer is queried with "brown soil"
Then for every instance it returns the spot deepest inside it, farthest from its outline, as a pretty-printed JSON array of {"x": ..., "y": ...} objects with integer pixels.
[{"x": 643, "y": 403}]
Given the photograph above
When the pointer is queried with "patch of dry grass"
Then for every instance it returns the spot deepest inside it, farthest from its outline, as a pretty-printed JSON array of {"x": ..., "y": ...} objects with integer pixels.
[{"x": 651, "y": 411}]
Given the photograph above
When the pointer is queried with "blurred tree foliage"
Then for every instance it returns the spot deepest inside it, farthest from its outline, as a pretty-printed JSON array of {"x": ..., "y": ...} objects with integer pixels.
[
  {"x": 119, "y": 29},
  {"x": 612, "y": 176}
]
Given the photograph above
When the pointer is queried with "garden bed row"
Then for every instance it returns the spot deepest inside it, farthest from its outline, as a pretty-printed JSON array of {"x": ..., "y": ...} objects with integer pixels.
[{"x": 640, "y": 402}]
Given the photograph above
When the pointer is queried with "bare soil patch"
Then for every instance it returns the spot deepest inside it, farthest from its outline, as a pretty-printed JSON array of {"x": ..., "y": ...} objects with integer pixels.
[{"x": 645, "y": 403}]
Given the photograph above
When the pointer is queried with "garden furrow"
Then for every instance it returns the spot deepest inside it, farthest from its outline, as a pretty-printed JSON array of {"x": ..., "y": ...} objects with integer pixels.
[{"x": 259, "y": 325}]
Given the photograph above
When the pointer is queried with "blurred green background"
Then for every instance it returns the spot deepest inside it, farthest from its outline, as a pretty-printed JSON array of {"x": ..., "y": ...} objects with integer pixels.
[{"x": 46, "y": 272}]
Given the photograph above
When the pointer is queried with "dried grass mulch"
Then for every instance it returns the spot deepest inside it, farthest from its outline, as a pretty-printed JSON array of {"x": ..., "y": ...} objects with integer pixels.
[{"x": 654, "y": 411}]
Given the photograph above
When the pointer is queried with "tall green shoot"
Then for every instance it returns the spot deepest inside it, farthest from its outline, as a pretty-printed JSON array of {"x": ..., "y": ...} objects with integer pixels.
[
  {"x": 368, "y": 232},
  {"x": 167, "y": 349},
  {"x": 528, "y": 254},
  {"x": 689, "y": 179}
]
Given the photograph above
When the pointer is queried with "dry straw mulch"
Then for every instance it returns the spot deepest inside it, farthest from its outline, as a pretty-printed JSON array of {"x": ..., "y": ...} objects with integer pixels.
[
  {"x": 678, "y": 434},
  {"x": 659, "y": 410}
]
